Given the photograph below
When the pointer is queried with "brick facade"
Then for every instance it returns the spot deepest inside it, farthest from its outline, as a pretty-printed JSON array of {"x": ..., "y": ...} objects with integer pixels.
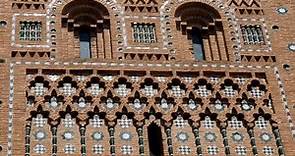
[{"x": 199, "y": 77}]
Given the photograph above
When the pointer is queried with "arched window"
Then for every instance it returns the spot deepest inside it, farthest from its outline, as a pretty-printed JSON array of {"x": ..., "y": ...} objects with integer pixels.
[
  {"x": 200, "y": 32},
  {"x": 197, "y": 42},
  {"x": 85, "y": 43},
  {"x": 86, "y": 30}
]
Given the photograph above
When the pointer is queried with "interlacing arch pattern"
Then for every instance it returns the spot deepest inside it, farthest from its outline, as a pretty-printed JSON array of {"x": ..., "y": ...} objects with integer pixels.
[
  {"x": 198, "y": 111},
  {"x": 167, "y": 11},
  {"x": 164, "y": 94}
]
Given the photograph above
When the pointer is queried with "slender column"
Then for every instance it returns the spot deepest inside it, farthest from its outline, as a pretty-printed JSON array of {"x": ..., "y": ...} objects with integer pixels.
[
  {"x": 140, "y": 140},
  {"x": 54, "y": 140},
  {"x": 83, "y": 140},
  {"x": 169, "y": 141},
  {"x": 27, "y": 139},
  {"x": 279, "y": 143},
  {"x": 225, "y": 139},
  {"x": 252, "y": 139},
  {"x": 112, "y": 141},
  {"x": 197, "y": 140}
]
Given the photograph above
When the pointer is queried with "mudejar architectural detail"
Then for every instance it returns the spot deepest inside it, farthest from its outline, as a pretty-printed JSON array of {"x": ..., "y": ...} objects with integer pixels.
[{"x": 147, "y": 77}]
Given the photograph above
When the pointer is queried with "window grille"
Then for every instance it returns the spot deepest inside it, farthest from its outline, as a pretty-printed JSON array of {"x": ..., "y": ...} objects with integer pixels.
[
  {"x": 144, "y": 33},
  {"x": 30, "y": 31},
  {"x": 252, "y": 34}
]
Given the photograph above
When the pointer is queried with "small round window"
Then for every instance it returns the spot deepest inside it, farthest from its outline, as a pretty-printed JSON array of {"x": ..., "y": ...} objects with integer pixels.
[{"x": 3, "y": 24}]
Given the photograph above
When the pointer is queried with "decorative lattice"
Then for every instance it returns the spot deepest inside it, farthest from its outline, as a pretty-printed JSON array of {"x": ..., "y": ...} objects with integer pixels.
[
  {"x": 203, "y": 91},
  {"x": 252, "y": 34},
  {"x": 229, "y": 91},
  {"x": 39, "y": 121},
  {"x": 39, "y": 89},
  {"x": 96, "y": 121},
  {"x": 144, "y": 33},
  {"x": 126, "y": 149},
  {"x": 124, "y": 122},
  {"x": 30, "y": 30},
  {"x": 39, "y": 149},
  {"x": 208, "y": 123},
  {"x": 68, "y": 121},
  {"x": 177, "y": 91},
  {"x": 95, "y": 89},
  {"x": 148, "y": 90},
  {"x": 256, "y": 92},
  {"x": 267, "y": 150},
  {"x": 134, "y": 78},
  {"x": 67, "y": 89},
  {"x": 235, "y": 123},
  {"x": 214, "y": 79},
  {"x": 184, "y": 150},
  {"x": 241, "y": 150},
  {"x": 212, "y": 150},
  {"x": 261, "y": 123},
  {"x": 122, "y": 90},
  {"x": 241, "y": 80},
  {"x": 97, "y": 149},
  {"x": 69, "y": 149},
  {"x": 179, "y": 122},
  {"x": 188, "y": 79}
]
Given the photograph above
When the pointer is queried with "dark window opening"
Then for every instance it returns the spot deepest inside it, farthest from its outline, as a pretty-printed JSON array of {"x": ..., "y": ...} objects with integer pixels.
[
  {"x": 85, "y": 43},
  {"x": 197, "y": 40},
  {"x": 155, "y": 140}
]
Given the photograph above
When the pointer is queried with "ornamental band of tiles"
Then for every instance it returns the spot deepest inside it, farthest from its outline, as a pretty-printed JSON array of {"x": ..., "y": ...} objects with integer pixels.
[{"x": 147, "y": 77}]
